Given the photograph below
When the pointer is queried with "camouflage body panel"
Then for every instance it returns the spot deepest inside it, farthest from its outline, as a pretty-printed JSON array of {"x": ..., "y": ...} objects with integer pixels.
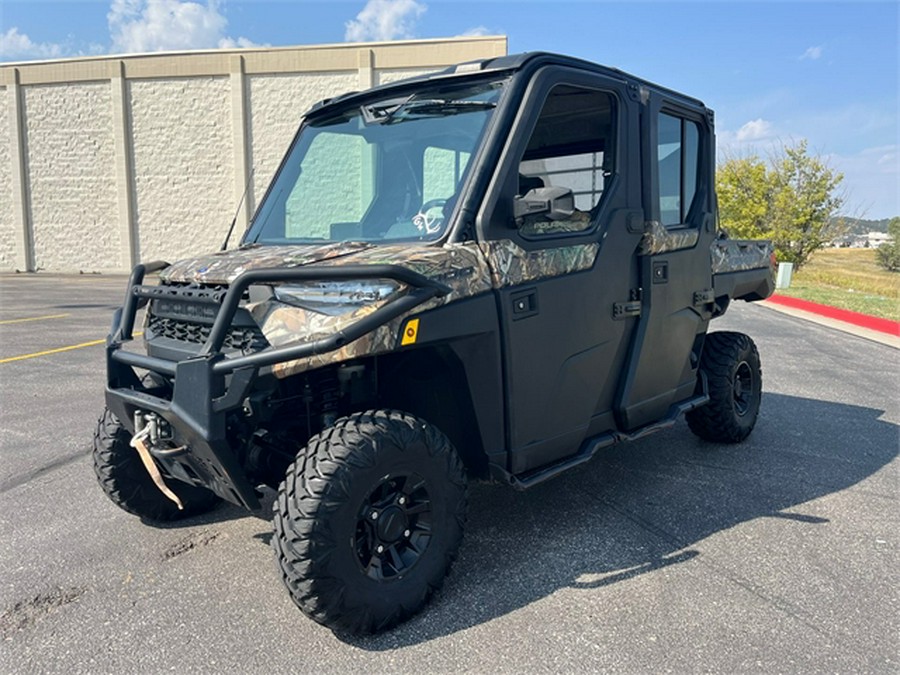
[
  {"x": 467, "y": 268},
  {"x": 659, "y": 239},
  {"x": 285, "y": 324},
  {"x": 511, "y": 265},
  {"x": 460, "y": 266},
  {"x": 736, "y": 255},
  {"x": 464, "y": 267}
]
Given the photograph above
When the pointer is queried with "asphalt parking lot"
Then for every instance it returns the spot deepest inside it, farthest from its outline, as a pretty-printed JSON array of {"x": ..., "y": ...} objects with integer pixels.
[{"x": 666, "y": 555}]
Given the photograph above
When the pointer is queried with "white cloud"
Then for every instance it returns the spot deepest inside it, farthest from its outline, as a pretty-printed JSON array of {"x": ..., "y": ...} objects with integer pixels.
[
  {"x": 813, "y": 53},
  {"x": 756, "y": 137},
  {"x": 888, "y": 158},
  {"x": 754, "y": 130},
  {"x": 16, "y": 45},
  {"x": 157, "y": 25},
  {"x": 384, "y": 20},
  {"x": 478, "y": 31},
  {"x": 241, "y": 42}
]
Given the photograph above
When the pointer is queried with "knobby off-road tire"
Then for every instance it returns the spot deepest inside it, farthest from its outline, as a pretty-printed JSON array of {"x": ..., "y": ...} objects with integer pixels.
[
  {"x": 731, "y": 364},
  {"x": 369, "y": 519},
  {"x": 126, "y": 482}
]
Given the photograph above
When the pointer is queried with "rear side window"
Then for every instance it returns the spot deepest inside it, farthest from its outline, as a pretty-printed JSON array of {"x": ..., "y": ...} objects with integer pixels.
[{"x": 678, "y": 155}]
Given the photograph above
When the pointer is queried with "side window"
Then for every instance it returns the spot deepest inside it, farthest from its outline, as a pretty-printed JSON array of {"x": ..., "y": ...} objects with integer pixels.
[
  {"x": 677, "y": 154},
  {"x": 571, "y": 147}
]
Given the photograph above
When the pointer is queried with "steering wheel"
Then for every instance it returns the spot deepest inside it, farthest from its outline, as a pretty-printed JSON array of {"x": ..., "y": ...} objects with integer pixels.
[{"x": 426, "y": 220}]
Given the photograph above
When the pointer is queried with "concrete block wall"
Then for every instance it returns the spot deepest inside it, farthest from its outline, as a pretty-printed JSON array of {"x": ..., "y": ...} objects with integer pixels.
[
  {"x": 69, "y": 167},
  {"x": 106, "y": 161},
  {"x": 388, "y": 76},
  {"x": 7, "y": 219},
  {"x": 183, "y": 169}
]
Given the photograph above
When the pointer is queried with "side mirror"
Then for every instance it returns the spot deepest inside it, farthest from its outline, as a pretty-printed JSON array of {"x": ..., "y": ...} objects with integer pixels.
[{"x": 555, "y": 203}]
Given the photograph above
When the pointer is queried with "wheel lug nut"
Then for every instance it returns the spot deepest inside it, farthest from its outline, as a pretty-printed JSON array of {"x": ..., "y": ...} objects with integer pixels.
[
  {"x": 380, "y": 549},
  {"x": 405, "y": 533},
  {"x": 401, "y": 501},
  {"x": 374, "y": 515}
]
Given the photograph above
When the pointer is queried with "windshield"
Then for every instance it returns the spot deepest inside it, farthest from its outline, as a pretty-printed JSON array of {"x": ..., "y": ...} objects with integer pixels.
[{"x": 387, "y": 171}]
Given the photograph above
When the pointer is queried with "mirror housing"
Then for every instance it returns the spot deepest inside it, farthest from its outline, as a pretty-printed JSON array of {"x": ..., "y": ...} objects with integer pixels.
[{"x": 555, "y": 203}]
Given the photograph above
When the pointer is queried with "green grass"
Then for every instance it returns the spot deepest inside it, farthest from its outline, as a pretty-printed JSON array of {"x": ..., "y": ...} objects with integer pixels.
[{"x": 848, "y": 278}]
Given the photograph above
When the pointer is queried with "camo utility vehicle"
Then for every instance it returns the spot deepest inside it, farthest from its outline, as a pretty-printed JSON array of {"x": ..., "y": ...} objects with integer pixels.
[{"x": 492, "y": 272}]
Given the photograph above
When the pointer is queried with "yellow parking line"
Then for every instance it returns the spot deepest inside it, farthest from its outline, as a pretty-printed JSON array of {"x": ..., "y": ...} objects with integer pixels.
[
  {"x": 34, "y": 318},
  {"x": 22, "y": 357},
  {"x": 52, "y": 351}
]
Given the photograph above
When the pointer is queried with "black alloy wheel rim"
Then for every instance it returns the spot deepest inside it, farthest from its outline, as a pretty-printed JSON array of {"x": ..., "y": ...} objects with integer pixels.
[
  {"x": 393, "y": 527},
  {"x": 743, "y": 389}
]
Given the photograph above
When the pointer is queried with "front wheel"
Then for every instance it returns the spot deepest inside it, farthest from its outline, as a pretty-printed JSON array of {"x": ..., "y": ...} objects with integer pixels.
[
  {"x": 730, "y": 362},
  {"x": 369, "y": 519}
]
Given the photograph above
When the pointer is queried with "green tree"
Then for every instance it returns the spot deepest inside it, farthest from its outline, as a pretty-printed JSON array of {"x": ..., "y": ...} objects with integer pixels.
[
  {"x": 791, "y": 198},
  {"x": 888, "y": 255},
  {"x": 744, "y": 187}
]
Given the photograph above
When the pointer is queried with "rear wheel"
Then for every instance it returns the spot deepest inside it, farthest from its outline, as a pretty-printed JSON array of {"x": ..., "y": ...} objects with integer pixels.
[
  {"x": 730, "y": 362},
  {"x": 369, "y": 519},
  {"x": 126, "y": 482}
]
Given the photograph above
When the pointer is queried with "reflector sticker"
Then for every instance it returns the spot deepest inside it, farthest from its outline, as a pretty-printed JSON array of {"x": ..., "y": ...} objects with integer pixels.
[{"x": 410, "y": 333}]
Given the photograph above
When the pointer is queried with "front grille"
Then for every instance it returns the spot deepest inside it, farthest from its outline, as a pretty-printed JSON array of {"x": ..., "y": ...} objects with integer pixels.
[
  {"x": 192, "y": 288},
  {"x": 184, "y": 312},
  {"x": 247, "y": 339}
]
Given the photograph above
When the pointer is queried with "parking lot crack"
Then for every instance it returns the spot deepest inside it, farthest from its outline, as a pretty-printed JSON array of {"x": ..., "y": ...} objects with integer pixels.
[{"x": 58, "y": 463}]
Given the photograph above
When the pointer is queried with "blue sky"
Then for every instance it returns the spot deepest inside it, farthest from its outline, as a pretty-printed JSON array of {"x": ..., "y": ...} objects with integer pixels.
[{"x": 775, "y": 72}]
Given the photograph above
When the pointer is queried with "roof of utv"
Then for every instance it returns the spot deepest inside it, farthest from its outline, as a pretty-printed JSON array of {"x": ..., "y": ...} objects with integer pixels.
[{"x": 527, "y": 62}]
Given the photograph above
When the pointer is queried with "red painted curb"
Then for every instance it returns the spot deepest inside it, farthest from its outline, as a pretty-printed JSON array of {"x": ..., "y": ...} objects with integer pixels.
[{"x": 856, "y": 318}]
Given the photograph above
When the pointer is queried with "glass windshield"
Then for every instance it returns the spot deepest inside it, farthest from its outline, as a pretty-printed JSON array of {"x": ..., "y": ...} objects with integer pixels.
[{"x": 387, "y": 171}]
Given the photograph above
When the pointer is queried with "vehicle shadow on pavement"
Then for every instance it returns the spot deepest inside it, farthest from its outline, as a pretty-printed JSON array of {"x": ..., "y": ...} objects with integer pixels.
[
  {"x": 223, "y": 512},
  {"x": 643, "y": 507}
]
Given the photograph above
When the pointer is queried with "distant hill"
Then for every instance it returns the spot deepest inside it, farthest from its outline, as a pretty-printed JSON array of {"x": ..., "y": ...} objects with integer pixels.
[{"x": 862, "y": 226}]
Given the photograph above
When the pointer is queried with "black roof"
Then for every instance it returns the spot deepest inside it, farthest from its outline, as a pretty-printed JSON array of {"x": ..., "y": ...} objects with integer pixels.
[{"x": 511, "y": 63}]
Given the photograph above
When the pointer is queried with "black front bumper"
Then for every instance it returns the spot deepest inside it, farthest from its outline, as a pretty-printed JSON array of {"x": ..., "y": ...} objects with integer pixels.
[{"x": 209, "y": 385}]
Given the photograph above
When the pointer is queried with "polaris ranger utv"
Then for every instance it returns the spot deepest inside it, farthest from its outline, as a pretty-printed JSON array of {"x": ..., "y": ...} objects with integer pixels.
[{"x": 492, "y": 272}]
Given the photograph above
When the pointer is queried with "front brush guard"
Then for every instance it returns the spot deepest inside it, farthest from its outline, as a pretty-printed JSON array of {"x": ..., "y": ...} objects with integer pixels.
[{"x": 209, "y": 385}]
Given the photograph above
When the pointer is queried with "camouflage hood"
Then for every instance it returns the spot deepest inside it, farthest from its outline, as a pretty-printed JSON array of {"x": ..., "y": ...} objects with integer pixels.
[
  {"x": 224, "y": 266},
  {"x": 461, "y": 266}
]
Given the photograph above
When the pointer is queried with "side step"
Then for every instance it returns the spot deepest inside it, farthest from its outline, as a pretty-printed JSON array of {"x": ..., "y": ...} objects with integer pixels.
[{"x": 591, "y": 446}]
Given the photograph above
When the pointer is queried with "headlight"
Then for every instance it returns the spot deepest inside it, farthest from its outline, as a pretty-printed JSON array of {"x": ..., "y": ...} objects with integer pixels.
[{"x": 336, "y": 297}]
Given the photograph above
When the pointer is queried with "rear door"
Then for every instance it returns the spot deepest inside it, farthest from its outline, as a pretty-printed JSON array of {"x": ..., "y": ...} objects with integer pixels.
[
  {"x": 674, "y": 261},
  {"x": 557, "y": 281}
]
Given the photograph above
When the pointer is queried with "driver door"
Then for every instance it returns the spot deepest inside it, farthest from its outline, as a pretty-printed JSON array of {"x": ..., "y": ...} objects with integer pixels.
[{"x": 557, "y": 281}]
